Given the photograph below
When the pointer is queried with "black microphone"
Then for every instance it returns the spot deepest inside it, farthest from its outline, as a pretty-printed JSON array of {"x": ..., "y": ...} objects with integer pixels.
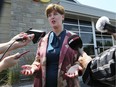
[
  {"x": 20, "y": 39},
  {"x": 75, "y": 43},
  {"x": 103, "y": 25},
  {"x": 23, "y": 38},
  {"x": 38, "y": 34}
]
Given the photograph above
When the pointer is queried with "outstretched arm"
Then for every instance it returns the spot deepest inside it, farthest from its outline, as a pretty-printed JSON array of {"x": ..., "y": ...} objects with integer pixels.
[
  {"x": 30, "y": 69},
  {"x": 8, "y": 61},
  {"x": 17, "y": 44},
  {"x": 84, "y": 60}
]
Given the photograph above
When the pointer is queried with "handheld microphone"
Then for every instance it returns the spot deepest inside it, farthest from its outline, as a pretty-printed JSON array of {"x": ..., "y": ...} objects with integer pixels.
[
  {"x": 75, "y": 43},
  {"x": 24, "y": 38},
  {"x": 103, "y": 25},
  {"x": 38, "y": 34},
  {"x": 20, "y": 39}
]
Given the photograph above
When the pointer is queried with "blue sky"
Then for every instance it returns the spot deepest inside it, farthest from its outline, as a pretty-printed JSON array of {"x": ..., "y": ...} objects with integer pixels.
[{"x": 109, "y": 5}]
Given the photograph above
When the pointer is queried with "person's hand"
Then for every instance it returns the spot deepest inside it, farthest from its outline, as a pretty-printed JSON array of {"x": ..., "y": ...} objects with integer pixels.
[
  {"x": 114, "y": 35},
  {"x": 28, "y": 69},
  {"x": 84, "y": 60},
  {"x": 73, "y": 71},
  {"x": 18, "y": 44},
  {"x": 9, "y": 61}
]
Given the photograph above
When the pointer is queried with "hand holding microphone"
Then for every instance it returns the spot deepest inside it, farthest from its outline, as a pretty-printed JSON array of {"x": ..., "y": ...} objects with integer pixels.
[
  {"x": 75, "y": 43},
  {"x": 21, "y": 40},
  {"x": 17, "y": 41},
  {"x": 9, "y": 61},
  {"x": 38, "y": 34}
]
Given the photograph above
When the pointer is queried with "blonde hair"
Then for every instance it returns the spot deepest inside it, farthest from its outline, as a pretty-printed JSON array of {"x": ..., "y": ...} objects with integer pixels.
[{"x": 56, "y": 7}]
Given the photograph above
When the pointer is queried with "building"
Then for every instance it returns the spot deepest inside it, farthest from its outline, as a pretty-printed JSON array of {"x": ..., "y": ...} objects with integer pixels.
[
  {"x": 82, "y": 20},
  {"x": 20, "y": 15}
]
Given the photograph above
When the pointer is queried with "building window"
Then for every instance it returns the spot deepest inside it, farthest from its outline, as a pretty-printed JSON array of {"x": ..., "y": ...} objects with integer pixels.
[
  {"x": 104, "y": 41},
  {"x": 87, "y": 38},
  {"x": 71, "y": 21},
  {"x": 84, "y": 30},
  {"x": 83, "y": 22},
  {"x": 89, "y": 49},
  {"x": 71, "y": 27}
]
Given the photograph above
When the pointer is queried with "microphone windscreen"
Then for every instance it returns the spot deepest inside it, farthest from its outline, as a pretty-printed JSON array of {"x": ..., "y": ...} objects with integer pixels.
[
  {"x": 101, "y": 23},
  {"x": 75, "y": 42},
  {"x": 38, "y": 34}
]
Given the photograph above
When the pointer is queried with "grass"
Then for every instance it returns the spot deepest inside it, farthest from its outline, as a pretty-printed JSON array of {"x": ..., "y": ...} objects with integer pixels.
[{"x": 13, "y": 76}]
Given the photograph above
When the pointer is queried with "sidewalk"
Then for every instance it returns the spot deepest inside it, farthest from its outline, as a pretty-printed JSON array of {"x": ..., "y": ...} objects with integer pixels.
[
  {"x": 24, "y": 84},
  {"x": 21, "y": 84},
  {"x": 30, "y": 84}
]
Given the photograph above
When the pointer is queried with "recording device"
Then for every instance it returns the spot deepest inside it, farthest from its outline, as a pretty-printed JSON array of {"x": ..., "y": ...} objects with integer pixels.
[
  {"x": 103, "y": 25},
  {"x": 21, "y": 39},
  {"x": 38, "y": 34},
  {"x": 22, "y": 54},
  {"x": 75, "y": 43}
]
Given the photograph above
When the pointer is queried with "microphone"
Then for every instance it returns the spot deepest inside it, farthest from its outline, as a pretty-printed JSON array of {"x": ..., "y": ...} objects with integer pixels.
[
  {"x": 24, "y": 38},
  {"x": 38, "y": 34},
  {"x": 20, "y": 39},
  {"x": 75, "y": 43},
  {"x": 103, "y": 25}
]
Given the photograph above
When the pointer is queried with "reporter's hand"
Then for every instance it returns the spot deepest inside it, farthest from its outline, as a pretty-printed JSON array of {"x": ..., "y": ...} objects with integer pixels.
[
  {"x": 114, "y": 35},
  {"x": 8, "y": 61},
  {"x": 28, "y": 69},
  {"x": 73, "y": 71},
  {"x": 18, "y": 44},
  {"x": 84, "y": 60}
]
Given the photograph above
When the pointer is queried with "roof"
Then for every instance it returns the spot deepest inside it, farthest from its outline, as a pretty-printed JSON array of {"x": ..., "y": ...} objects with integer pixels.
[{"x": 80, "y": 9}]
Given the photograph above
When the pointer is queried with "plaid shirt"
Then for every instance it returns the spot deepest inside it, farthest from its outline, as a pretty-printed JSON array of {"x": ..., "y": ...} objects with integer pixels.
[{"x": 100, "y": 72}]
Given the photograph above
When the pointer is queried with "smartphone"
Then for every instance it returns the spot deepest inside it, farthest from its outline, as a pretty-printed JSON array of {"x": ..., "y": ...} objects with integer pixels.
[{"x": 22, "y": 54}]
